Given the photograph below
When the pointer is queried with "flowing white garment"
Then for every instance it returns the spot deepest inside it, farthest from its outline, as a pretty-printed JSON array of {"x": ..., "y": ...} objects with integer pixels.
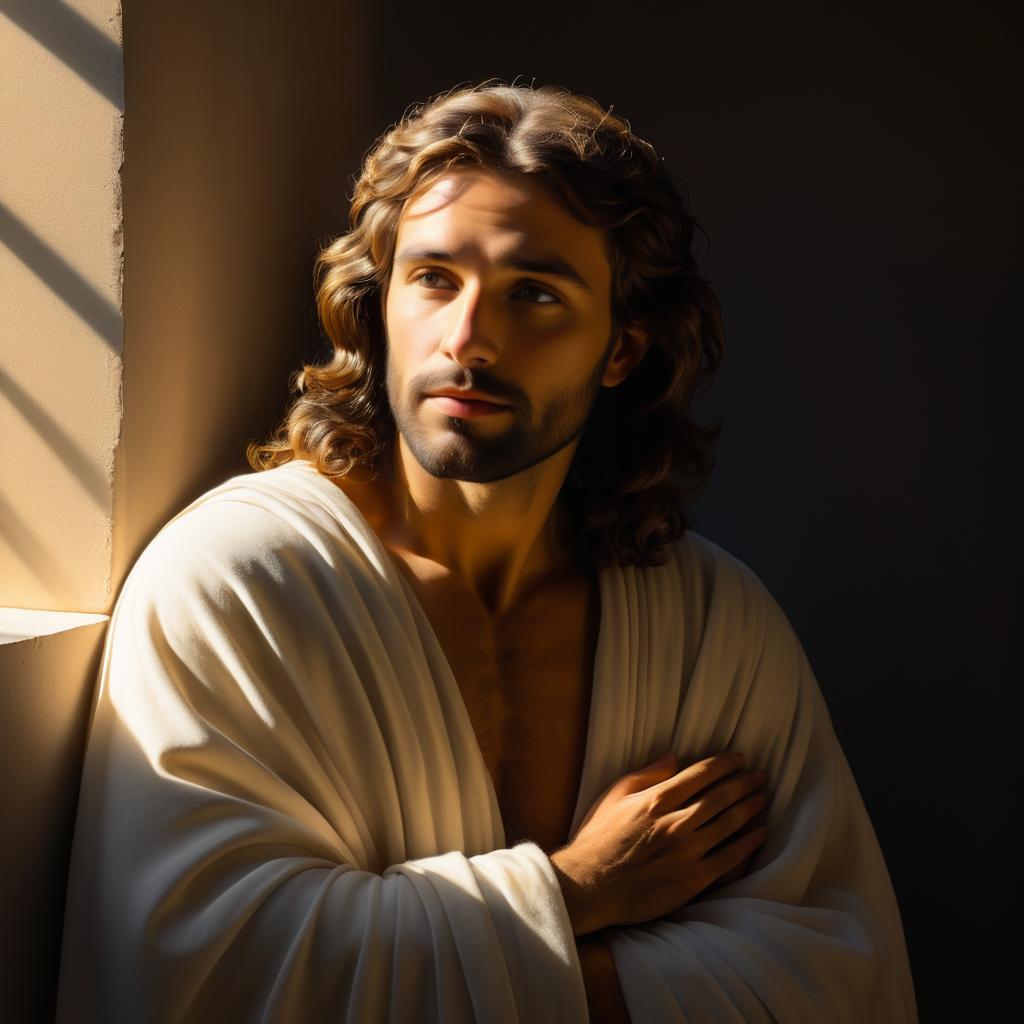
[{"x": 285, "y": 814}]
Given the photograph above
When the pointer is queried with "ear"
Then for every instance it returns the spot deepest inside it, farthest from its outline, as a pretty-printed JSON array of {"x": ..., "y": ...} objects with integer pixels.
[{"x": 629, "y": 350}]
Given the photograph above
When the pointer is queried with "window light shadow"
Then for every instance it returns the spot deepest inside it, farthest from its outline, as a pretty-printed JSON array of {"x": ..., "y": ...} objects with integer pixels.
[
  {"x": 28, "y": 547},
  {"x": 60, "y": 442},
  {"x": 62, "y": 279},
  {"x": 74, "y": 41}
]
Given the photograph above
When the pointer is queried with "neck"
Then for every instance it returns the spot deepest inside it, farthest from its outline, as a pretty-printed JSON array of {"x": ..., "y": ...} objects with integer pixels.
[{"x": 499, "y": 539}]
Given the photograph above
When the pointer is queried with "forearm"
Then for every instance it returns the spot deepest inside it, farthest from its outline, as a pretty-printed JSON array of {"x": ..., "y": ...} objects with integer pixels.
[{"x": 605, "y": 1001}]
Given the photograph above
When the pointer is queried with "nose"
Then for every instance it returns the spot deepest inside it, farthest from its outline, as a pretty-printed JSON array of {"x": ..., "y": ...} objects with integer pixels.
[{"x": 468, "y": 339}]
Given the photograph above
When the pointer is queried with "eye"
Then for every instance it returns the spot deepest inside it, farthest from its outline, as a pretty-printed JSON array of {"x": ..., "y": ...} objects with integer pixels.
[
  {"x": 426, "y": 274},
  {"x": 546, "y": 298}
]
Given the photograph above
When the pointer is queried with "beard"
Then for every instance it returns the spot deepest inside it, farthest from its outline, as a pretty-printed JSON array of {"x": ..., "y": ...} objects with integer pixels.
[{"x": 473, "y": 450}]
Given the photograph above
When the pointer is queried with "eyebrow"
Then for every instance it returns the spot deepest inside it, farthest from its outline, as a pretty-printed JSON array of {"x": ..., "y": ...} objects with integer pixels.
[{"x": 553, "y": 266}]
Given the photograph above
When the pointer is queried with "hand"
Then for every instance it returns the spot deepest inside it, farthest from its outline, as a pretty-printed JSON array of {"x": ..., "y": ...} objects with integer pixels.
[{"x": 658, "y": 837}]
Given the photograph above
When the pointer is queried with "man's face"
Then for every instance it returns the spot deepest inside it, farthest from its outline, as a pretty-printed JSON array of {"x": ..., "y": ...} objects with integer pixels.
[{"x": 460, "y": 315}]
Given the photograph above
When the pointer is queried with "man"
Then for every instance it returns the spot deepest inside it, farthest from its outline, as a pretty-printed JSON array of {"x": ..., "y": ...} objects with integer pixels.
[{"x": 378, "y": 729}]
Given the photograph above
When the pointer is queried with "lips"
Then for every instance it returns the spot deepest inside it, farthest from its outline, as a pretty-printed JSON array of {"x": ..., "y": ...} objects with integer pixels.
[
  {"x": 466, "y": 396},
  {"x": 463, "y": 407}
]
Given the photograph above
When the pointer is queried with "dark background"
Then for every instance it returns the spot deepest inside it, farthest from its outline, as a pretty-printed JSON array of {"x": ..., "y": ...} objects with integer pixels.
[{"x": 854, "y": 170}]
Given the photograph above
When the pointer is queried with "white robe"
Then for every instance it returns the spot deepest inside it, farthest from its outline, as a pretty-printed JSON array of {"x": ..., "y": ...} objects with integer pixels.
[{"x": 285, "y": 814}]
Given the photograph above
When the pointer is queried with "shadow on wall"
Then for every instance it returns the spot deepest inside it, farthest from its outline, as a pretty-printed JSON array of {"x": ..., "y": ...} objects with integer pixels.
[
  {"x": 92, "y": 56},
  {"x": 66, "y": 283},
  {"x": 240, "y": 134},
  {"x": 47, "y": 698}
]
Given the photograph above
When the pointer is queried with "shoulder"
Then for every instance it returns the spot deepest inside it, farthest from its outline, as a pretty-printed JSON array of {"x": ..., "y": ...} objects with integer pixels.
[
  {"x": 723, "y": 576},
  {"x": 257, "y": 532},
  {"x": 220, "y": 535},
  {"x": 737, "y": 606}
]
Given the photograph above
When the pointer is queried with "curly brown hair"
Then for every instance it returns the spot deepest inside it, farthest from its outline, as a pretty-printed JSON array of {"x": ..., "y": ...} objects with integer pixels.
[{"x": 641, "y": 456}]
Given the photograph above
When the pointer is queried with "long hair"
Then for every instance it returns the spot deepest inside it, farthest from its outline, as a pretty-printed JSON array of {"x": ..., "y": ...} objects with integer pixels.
[{"x": 641, "y": 457}]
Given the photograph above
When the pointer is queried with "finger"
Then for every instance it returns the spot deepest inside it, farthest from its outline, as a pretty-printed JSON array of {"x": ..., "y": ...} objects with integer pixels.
[
  {"x": 714, "y": 800},
  {"x": 757, "y": 820},
  {"x": 730, "y": 821},
  {"x": 640, "y": 778},
  {"x": 684, "y": 785},
  {"x": 735, "y": 857}
]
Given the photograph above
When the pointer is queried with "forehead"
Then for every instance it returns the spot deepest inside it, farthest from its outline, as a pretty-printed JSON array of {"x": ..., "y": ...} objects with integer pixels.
[{"x": 486, "y": 214}]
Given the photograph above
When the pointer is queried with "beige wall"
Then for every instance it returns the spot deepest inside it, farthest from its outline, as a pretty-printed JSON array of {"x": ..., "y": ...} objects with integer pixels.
[
  {"x": 241, "y": 128},
  {"x": 60, "y": 321}
]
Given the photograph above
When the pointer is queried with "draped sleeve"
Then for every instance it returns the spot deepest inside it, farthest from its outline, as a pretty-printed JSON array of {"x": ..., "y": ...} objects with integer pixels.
[
  {"x": 812, "y": 932},
  {"x": 256, "y": 839}
]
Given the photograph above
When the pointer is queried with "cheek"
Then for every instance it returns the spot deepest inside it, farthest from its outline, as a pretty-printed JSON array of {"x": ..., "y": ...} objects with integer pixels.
[{"x": 411, "y": 336}]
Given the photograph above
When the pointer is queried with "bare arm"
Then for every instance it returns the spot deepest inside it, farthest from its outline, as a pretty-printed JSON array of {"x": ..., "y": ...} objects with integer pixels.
[{"x": 605, "y": 1001}]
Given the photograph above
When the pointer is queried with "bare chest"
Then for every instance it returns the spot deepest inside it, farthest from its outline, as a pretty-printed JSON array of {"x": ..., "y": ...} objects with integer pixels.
[{"x": 527, "y": 686}]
